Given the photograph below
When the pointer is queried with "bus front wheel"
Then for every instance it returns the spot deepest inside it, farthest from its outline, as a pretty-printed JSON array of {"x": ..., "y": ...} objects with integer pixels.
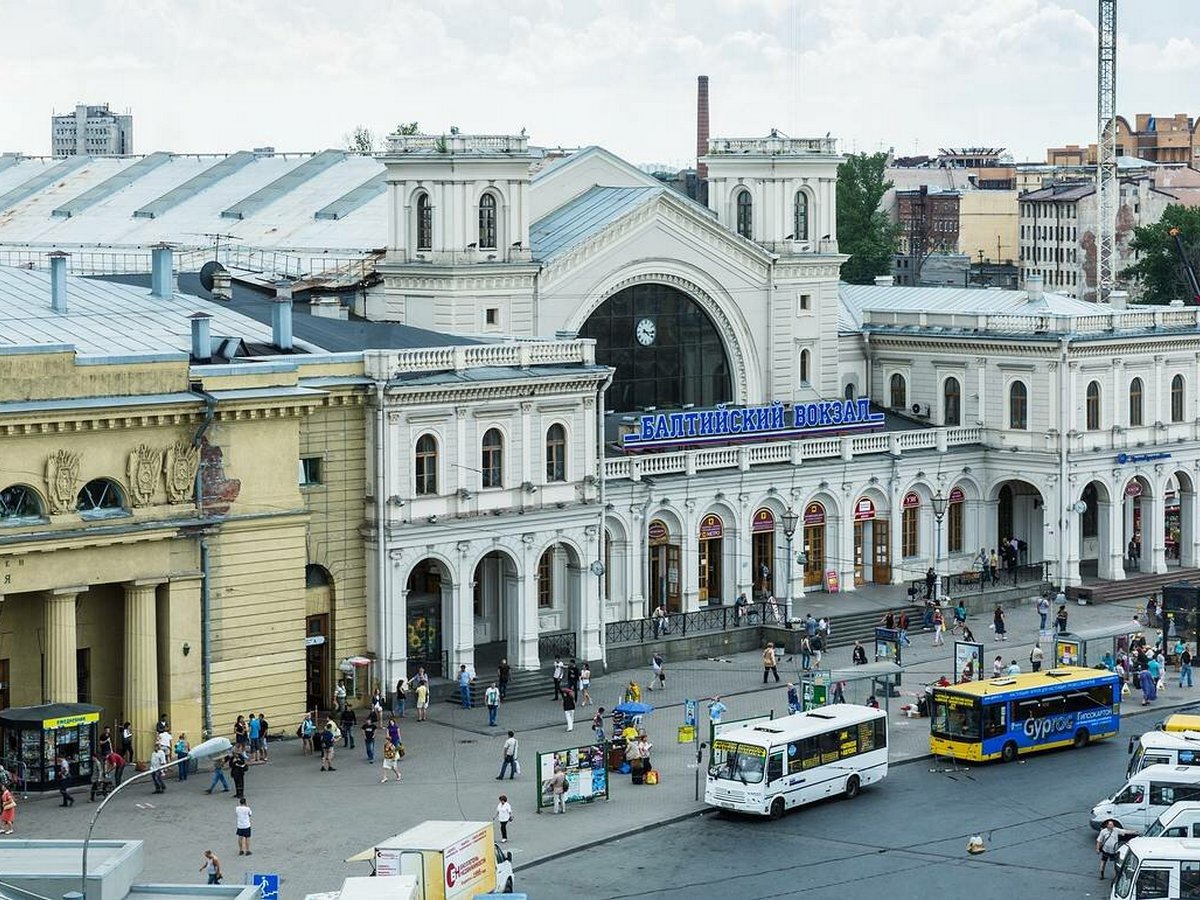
[
  {"x": 777, "y": 808},
  {"x": 1081, "y": 738},
  {"x": 852, "y": 787},
  {"x": 1009, "y": 752}
]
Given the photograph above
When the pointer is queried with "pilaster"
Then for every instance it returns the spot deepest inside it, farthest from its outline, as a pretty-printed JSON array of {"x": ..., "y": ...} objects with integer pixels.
[
  {"x": 58, "y": 620},
  {"x": 141, "y": 664}
]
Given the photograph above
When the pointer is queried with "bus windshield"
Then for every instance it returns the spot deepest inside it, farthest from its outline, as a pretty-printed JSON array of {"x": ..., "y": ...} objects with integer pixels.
[
  {"x": 737, "y": 762},
  {"x": 955, "y": 717}
]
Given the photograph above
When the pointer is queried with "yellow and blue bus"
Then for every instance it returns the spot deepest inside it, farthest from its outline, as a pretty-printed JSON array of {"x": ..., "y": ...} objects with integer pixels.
[{"x": 1018, "y": 714}]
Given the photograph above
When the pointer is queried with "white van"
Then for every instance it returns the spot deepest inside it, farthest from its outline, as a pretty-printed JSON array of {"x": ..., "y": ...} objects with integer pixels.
[
  {"x": 1146, "y": 796},
  {"x": 1157, "y": 867},
  {"x": 1180, "y": 820},
  {"x": 1163, "y": 748}
]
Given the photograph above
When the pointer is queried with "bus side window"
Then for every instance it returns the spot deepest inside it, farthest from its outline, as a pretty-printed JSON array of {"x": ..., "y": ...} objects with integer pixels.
[
  {"x": 1177, "y": 831},
  {"x": 810, "y": 753},
  {"x": 880, "y": 734},
  {"x": 994, "y": 717},
  {"x": 1162, "y": 794},
  {"x": 1152, "y": 883},
  {"x": 775, "y": 766},
  {"x": 1189, "y": 880},
  {"x": 1187, "y": 792}
]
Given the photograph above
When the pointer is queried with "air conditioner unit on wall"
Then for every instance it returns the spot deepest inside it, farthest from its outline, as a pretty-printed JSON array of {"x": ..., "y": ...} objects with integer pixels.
[{"x": 921, "y": 410}]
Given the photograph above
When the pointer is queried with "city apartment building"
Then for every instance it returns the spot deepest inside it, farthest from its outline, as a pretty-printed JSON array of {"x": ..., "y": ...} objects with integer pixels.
[{"x": 91, "y": 131}]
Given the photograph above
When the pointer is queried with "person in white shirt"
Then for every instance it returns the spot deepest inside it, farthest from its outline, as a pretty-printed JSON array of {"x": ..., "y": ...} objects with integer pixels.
[
  {"x": 243, "y": 814},
  {"x": 1013, "y": 668},
  {"x": 504, "y": 815},
  {"x": 510, "y": 758},
  {"x": 158, "y": 759}
]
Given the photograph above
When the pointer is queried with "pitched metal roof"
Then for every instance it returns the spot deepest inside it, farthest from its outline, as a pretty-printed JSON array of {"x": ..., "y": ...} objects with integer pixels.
[
  {"x": 573, "y": 223},
  {"x": 857, "y": 299}
]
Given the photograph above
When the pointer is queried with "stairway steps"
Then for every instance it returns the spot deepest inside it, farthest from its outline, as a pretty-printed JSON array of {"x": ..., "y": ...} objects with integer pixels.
[{"x": 1135, "y": 587}]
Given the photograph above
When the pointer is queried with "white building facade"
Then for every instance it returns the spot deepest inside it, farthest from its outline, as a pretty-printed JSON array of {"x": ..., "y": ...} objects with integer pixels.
[{"x": 91, "y": 131}]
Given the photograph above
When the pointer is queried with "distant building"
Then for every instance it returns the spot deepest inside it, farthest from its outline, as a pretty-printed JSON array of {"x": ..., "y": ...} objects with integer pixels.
[
  {"x": 91, "y": 131},
  {"x": 928, "y": 225},
  {"x": 1160, "y": 140}
]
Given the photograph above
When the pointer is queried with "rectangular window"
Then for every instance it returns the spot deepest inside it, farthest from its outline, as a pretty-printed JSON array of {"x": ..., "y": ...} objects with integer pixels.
[
  {"x": 83, "y": 674},
  {"x": 954, "y": 530},
  {"x": 909, "y": 542},
  {"x": 545, "y": 581},
  {"x": 310, "y": 470},
  {"x": 5, "y": 693},
  {"x": 491, "y": 315},
  {"x": 805, "y": 302}
]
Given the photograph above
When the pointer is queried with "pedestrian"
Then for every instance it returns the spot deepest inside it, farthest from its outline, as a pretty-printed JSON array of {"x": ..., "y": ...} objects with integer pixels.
[
  {"x": 598, "y": 725},
  {"x": 504, "y": 815},
  {"x": 368, "y": 729},
  {"x": 503, "y": 675},
  {"x": 644, "y": 747},
  {"x": 793, "y": 699},
  {"x": 158, "y": 761},
  {"x": 930, "y": 580},
  {"x": 127, "y": 741},
  {"x": 715, "y": 710},
  {"x": 633, "y": 693},
  {"x": 491, "y": 699},
  {"x": 805, "y": 654},
  {"x": 400, "y": 698},
  {"x": 1152, "y": 613},
  {"x": 902, "y": 625},
  {"x": 585, "y": 681},
  {"x": 568, "y": 703},
  {"x": 182, "y": 751},
  {"x": 253, "y": 726},
  {"x": 573, "y": 677},
  {"x": 660, "y": 675},
  {"x": 557, "y": 785},
  {"x": 218, "y": 775},
  {"x": 242, "y": 815},
  {"x": 968, "y": 635},
  {"x": 348, "y": 722},
  {"x": 422, "y": 701},
  {"x": 241, "y": 734},
  {"x": 1185, "y": 666},
  {"x": 391, "y": 762},
  {"x": 960, "y": 615},
  {"x": 339, "y": 695},
  {"x": 116, "y": 765},
  {"x": 377, "y": 699},
  {"x": 464, "y": 686},
  {"x": 1013, "y": 668},
  {"x": 239, "y": 764},
  {"x": 8, "y": 810},
  {"x": 1035, "y": 658},
  {"x": 163, "y": 739},
  {"x": 509, "y": 761},
  {"x": 818, "y": 646},
  {"x": 939, "y": 624},
  {"x": 393, "y": 732},
  {"x": 264, "y": 728},
  {"x": 858, "y": 655},
  {"x": 212, "y": 867},
  {"x": 105, "y": 745},
  {"x": 770, "y": 662},
  {"x": 1060, "y": 619},
  {"x": 889, "y": 620},
  {"x": 998, "y": 623},
  {"x": 1107, "y": 843},
  {"x": 659, "y": 621},
  {"x": 63, "y": 765},
  {"x": 557, "y": 675},
  {"x": 994, "y": 567},
  {"x": 1149, "y": 687},
  {"x": 1043, "y": 609},
  {"x": 997, "y": 666},
  {"x": 306, "y": 731},
  {"x": 328, "y": 736}
]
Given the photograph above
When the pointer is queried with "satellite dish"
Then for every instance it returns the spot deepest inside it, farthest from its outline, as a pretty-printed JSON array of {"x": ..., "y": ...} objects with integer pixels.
[{"x": 206, "y": 273}]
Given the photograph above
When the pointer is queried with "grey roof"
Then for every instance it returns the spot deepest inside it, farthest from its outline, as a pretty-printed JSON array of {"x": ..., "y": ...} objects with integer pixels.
[
  {"x": 264, "y": 196},
  {"x": 1062, "y": 193},
  {"x": 47, "y": 176},
  {"x": 110, "y": 186},
  {"x": 574, "y": 222},
  {"x": 352, "y": 200},
  {"x": 194, "y": 185},
  {"x": 856, "y": 299}
]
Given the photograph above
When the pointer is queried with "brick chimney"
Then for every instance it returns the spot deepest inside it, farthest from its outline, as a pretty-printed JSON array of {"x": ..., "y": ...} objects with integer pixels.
[{"x": 702, "y": 135}]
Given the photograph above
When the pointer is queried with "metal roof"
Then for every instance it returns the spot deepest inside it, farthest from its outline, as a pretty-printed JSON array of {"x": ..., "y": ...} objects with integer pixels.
[
  {"x": 47, "y": 176},
  {"x": 194, "y": 185},
  {"x": 856, "y": 299},
  {"x": 110, "y": 186},
  {"x": 348, "y": 202},
  {"x": 284, "y": 184},
  {"x": 574, "y": 222}
]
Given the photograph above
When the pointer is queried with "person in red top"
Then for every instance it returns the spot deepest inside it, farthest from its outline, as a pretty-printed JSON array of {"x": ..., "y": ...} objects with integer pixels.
[{"x": 115, "y": 763}]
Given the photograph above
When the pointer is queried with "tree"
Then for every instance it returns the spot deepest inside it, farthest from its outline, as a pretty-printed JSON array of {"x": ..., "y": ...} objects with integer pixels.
[
  {"x": 360, "y": 140},
  {"x": 1159, "y": 270},
  {"x": 864, "y": 230},
  {"x": 408, "y": 128}
]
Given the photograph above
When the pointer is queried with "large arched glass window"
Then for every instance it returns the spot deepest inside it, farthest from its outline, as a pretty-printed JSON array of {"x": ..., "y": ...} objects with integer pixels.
[
  {"x": 492, "y": 462},
  {"x": 1177, "y": 397},
  {"x": 1018, "y": 406},
  {"x": 899, "y": 392},
  {"x": 487, "y": 222},
  {"x": 19, "y": 504},
  {"x": 1092, "y": 406},
  {"x": 556, "y": 453},
  {"x": 98, "y": 498},
  {"x": 745, "y": 214},
  {"x": 545, "y": 579},
  {"x": 426, "y": 465},
  {"x": 800, "y": 217},
  {"x": 1135, "y": 402},
  {"x": 952, "y": 402},
  {"x": 805, "y": 367},
  {"x": 424, "y": 223}
]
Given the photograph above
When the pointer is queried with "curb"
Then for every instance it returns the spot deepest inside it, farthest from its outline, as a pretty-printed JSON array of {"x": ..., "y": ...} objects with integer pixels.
[{"x": 596, "y": 842}]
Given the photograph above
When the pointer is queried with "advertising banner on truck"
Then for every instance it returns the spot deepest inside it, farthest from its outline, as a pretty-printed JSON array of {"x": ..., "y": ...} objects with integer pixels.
[{"x": 469, "y": 865}]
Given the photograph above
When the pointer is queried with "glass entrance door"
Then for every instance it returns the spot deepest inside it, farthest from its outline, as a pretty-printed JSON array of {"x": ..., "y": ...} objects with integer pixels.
[
  {"x": 861, "y": 533},
  {"x": 318, "y": 693},
  {"x": 882, "y": 568},
  {"x": 763, "y": 561},
  {"x": 814, "y": 541},
  {"x": 664, "y": 577},
  {"x": 710, "y": 570}
]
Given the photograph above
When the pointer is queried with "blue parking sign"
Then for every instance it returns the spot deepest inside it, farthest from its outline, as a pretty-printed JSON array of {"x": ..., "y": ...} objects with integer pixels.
[{"x": 269, "y": 885}]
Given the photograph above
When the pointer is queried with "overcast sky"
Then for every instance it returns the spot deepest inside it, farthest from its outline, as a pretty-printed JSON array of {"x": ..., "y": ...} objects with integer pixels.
[{"x": 221, "y": 75}]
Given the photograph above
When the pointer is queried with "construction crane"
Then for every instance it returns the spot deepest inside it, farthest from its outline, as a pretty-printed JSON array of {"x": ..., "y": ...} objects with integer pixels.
[
  {"x": 1189, "y": 274},
  {"x": 1107, "y": 188}
]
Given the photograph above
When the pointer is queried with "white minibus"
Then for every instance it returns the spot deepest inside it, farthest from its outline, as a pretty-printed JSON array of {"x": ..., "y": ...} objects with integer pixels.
[
  {"x": 1146, "y": 795},
  {"x": 769, "y": 767},
  {"x": 1157, "y": 867},
  {"x": 1163, "y": 748},
  {"x": 1178, "y": 820}
]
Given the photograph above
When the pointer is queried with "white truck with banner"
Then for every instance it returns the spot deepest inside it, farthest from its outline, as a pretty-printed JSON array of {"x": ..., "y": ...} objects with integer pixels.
[{"x": 450, "y": 860}]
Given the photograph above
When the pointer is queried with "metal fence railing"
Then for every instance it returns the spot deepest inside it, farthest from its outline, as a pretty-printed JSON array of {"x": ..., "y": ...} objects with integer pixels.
[
  {"x": 559, "y": 645},
  {"x": 703, "y": 621}
]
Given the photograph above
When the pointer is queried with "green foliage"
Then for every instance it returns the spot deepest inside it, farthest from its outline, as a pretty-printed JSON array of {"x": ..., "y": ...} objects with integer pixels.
[
  {"x": 1159, "y": 270},
  {"x": 864, "y": 230},
  {"x": 360, "y": 140},
  {"x": 408, "y": 128}
]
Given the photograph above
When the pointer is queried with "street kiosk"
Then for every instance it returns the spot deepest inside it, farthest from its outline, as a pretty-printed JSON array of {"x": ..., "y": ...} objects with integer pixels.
[{"x": 35, "y": 736}]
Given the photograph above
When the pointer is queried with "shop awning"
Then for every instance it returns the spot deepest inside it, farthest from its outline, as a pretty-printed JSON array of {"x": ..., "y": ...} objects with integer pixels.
[{"x": 50, "y": 715}]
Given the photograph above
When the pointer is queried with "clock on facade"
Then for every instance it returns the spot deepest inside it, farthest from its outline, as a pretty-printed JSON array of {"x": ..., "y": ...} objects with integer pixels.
[{"x": 645, "y": 332}]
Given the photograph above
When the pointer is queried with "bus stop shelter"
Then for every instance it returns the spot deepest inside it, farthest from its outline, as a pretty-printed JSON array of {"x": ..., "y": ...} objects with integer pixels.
[
  {"x": 857, "y": 684},
  {"x": 1087, "y": 647}
]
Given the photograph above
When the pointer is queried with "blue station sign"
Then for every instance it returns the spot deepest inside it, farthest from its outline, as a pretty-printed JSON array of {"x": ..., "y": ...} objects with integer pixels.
[{"x": 773, "y": 421}]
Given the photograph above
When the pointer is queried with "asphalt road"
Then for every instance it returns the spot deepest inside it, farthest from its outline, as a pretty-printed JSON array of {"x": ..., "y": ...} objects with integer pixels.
[{"x": 905, "y": 837}]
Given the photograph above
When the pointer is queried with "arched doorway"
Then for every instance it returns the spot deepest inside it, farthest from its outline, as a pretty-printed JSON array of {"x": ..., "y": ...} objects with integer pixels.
[
  {"x": 710, "y": 557},
  {"x": 762, "y": 553},
  {"x": 559, "y": 600},
  {"x": 1020, "y": 511},
  {"x": 318, "y": 637},
  {"x": 1178, "y": 525},
  {"x": 1095, "y": 538},
  {"x": 872, "y": 540},
  {"x": 1137, "y": 500},
  {"x": 427, "y": 602},
  {"x": 665, "y": 571},
  {"x": 495, "y": 593},
  {"x": 815, "y": 544}
]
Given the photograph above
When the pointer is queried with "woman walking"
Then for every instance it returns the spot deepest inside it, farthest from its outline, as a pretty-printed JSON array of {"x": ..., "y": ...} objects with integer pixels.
[
  {"x": 585, "y": 681},
  {"x": 391, "y": 761},
  {"x": 182, "y": 749},
  {"x": 8, "y": 811},
  {"x": 998, "y": 623},
  {"x": 504, "y": 815}
]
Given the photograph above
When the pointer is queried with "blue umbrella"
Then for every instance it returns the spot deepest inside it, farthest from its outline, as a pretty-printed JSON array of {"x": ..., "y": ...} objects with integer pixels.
[{"x": 631, "y": 708}]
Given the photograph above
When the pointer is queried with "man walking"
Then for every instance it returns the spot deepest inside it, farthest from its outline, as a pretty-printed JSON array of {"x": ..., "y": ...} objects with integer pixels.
[
  {"x": 1035, "y": 658},
  {"x": 503, "y": 675},
  {"x": 568, "y": 703},
  {"x": 218, "y": 776},
  {"x": 64, "y": 775},
  {"x": 242, "y": 815},
  {"x": 1043, "y": 609},
  {"x": 327, "y": 751},
  {"x": 369, "y": 728},
  {"x": 510, "y": 758},
  {"x": 491, "y": 699},
  {"x": 238, "y": 765},
  {"x": 558, "y": 787},
  {"x": 464, "y": 686},
  {"x": 212, "y": 866},
  {"x": 158, "y": 759},
  {"x": 349, "y": 721},
  {"x": 657, "y": 674},
  {"x": 1185, "y": 667},
  {"x": 557, "y": 675}
]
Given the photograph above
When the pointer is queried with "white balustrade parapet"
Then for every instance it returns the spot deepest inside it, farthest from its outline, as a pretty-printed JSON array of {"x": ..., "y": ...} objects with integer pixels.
[
  {"x": 458, "y": 143},
  {"x": 384, "y": 364},
  {"x": 1034, "y": 323},
  {"x": 774, "y": 144}
]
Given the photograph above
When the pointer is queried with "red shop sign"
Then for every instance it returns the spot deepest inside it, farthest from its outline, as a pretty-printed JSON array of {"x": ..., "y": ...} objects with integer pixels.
[
  {"x": 711, "y": 527},
  {"x": 957, "y": 495},
  {"x": 657, "y": 533},
  {"x": 814, "y": 514},
  {"x": 912, "y": 500},
  {"x": 764, "y": 520},
  {"x": 1133, "y": 489},
  {"x": 864, "y": 509}
]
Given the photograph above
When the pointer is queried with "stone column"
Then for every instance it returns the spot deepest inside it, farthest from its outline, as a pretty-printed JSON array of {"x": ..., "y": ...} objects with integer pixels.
[
  {"x": 1113, "y": 549},
  {"x": 1154, "y": 531},
  {"x": 61, "y": 678},
  {"x": 141, "y": 663}
]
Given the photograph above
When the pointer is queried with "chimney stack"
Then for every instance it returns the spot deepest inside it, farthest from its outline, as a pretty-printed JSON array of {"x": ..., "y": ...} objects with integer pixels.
[
  {"x": 885, "y": 281},
  {"x": 201, "y": 337},
  {"x": 702, "y": 134},
  {"x": 162, "y": 285},
  {"x": 1034, "y": 292},
  {"x": 58, "y": 281},
  {"x": 281, "y": 316}
]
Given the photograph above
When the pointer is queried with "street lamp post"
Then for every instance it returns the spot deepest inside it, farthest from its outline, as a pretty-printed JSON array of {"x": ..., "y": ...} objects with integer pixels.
[
  {"x": 789, "y": 530},
  {"x": 940, "y": 504},
  {"x": 212, "y": 747}
]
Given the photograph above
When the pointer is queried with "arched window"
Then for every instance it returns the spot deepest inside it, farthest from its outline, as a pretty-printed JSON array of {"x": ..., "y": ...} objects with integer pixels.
[
  {"x": 800, "y": 217},
  {"x": 556, "y": 453},
  {"x": 1177, "y": 395},
  {"x": 98, "y": 498},
  {"x": 492, "y": 463},
  {"x": 19, "y": 504},
  {"x": 1018, "y": 406},
  {"x": 1092, "y": 406},
  {"x": 745, "y": 215},
  {"x": 805, "y": 366},
  {"x": 899, "y": 399},
  {"x": 426, "y": 465},
  {"x": 424, "y": 223},
  {"x": 1135, "y": 402},
  {"x": 849, "y": 392},
  {"x": 545, "y": 579},
  {"x": 487, "y": 222},
  {"x": 952, "y": 402}
]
